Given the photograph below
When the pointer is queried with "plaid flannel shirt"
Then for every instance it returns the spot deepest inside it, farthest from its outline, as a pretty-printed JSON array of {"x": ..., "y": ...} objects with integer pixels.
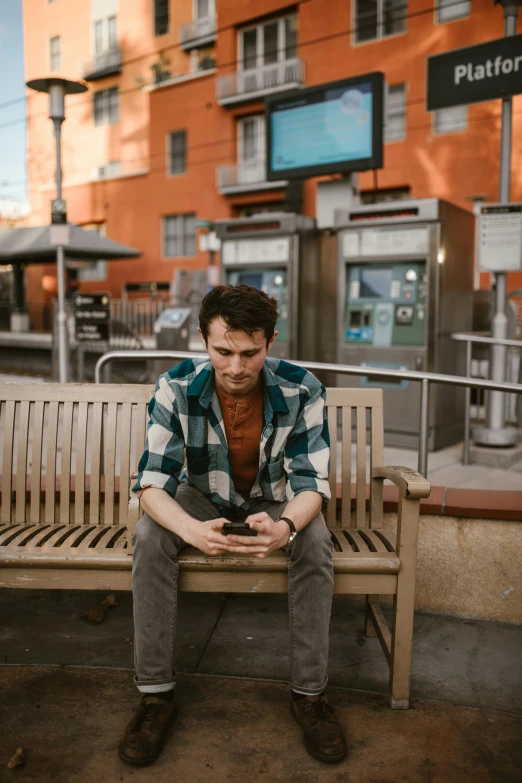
[{"x": 186, "y": 438}]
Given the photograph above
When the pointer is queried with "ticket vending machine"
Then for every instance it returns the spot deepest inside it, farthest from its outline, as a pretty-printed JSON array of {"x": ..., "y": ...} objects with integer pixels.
[
  {"x": 277, "y": 253},
  {"x": 405, "y": 272}
]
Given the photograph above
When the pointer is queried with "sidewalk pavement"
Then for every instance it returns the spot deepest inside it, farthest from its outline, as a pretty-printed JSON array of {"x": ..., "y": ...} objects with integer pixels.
[{"x": 70, "y": 722}]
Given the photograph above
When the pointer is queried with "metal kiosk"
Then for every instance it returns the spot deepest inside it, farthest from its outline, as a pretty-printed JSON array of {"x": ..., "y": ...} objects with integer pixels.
[
  {"x": 405, "y": 272},
  {"x": 279, "y": 254}
]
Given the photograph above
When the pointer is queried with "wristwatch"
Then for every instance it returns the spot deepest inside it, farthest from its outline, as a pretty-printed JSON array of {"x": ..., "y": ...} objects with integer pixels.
[{"x": 293, "y": 531}]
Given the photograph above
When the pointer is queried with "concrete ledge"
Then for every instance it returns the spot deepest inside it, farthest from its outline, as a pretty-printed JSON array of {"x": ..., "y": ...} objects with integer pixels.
[{"x": 452, "y": 502}]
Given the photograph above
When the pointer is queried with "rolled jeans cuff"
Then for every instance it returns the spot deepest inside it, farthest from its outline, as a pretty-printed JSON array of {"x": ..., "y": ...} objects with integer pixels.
[
  {"x": 309, "y": 691},
  {"x": 154, "y": 687}
]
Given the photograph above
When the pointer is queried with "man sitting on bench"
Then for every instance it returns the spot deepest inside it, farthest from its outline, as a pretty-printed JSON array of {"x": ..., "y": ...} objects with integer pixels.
[{"x": 254, "y": 434}]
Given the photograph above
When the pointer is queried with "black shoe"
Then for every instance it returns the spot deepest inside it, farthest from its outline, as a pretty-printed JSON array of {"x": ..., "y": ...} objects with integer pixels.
[
  {"x": 144, "y": 736},
  {"x": 323, "y": 736}
]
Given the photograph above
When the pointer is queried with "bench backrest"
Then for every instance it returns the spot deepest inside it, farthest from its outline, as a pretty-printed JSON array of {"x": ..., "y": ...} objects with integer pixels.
[{"x": 68, "y": 452}]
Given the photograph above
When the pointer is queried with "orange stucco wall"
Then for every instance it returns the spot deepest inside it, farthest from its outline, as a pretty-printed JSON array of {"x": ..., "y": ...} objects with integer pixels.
[{"x": 455, "y": 166}]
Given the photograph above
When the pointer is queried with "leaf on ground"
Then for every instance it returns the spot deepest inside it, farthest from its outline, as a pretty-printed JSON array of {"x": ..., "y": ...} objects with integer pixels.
[
  {"x": 17, "y": 759},
  {"x": 97, "y": 613}
]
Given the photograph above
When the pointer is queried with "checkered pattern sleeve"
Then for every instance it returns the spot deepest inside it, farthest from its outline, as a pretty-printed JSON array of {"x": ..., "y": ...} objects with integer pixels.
[
  {"x": 162, "y": 460},
  {"x": 307, "y": 450}
]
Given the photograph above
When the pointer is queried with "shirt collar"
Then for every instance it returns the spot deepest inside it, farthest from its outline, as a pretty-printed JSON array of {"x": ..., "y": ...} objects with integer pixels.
[{"x": 203, "y": 384}]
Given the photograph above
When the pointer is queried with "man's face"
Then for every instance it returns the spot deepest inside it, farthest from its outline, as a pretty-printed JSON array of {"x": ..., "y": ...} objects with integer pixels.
[{"x": 236, "y": 356}]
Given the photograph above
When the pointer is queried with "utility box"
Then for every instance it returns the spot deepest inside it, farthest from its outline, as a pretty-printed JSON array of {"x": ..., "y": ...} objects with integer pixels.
[
  {"x": 172, "y": 330},
  {"x": 278, "y": 253},
  {"x": 405, "y": 283}
]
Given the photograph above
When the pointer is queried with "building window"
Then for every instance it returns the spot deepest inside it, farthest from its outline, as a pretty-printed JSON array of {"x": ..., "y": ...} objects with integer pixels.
[
  {"x": 105, "y": 35},
  {"x": 268, "y": 43},
  {"x": 375, "y": 19},
  {"x": 98, "y": 271},
  {"x": 203, "y": 9},
  {"x": 448, "y": 10},
  {"x": 450, "y": 120},
  {"x": 251, "y": 139},
  {"x": 108, "y": 170},
  {"x": 395, "y": 128},
  {"x": 179, "y": 235},
  {"x": 106, "y": 106},
  {"x": 54, "y": 51},
  {"x": 161, "y": 17},
  {"x": 177, "y": 152}
]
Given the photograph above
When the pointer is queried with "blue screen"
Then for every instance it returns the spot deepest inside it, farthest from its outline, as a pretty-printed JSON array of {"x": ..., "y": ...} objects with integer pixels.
[{"x": 334, "y": 127}]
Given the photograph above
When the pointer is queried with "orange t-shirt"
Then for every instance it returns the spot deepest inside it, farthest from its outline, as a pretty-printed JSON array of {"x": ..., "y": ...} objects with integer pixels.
[{"x": 243, "y": 423}]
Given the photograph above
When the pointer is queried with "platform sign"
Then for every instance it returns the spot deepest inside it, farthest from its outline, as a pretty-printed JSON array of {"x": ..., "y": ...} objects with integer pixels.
[
  {"x": 92, "y": 315},
  {"x": 329, "y": 129},
  {"x": 500, "y": 238},
  {"x": 475, "y": 73}
]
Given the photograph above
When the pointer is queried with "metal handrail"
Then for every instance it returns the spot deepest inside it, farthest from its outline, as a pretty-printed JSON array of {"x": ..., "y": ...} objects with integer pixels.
[
  {"x": 469, "y": 338},
  {"x": 425, "y": 378}
]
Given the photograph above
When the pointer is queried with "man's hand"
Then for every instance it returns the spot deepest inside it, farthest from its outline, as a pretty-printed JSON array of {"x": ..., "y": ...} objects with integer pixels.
[
  {"x": 270, "y": 535},
  {"x": 207, "y": 537}
]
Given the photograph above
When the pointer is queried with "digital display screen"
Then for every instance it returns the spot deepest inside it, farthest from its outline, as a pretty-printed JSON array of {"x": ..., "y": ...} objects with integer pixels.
[
  {"x": 375, "y": 283},
  {"x": 333, "y": 128},
  {"x": 252, "y": 279}
]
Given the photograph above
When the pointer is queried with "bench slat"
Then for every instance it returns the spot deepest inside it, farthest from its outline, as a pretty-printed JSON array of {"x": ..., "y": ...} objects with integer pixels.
[
  {"x": 81, "y": 446},
  {"x": 96, "y": 447},
  {"x": 65, "y": 474},
  {"x": 21, "y": 462},
  {"x": 346, "y": 486},
  {"x": 7, "y": 461},
  {"x": 376, "y": 455},
  {"x": 110, "y": 461},
  {"x": 50, "y": 463},
  {"x": 36, "y": 462},
  {"x": 331, "y": 507},
  {"x": 361, "y": 467},
  {"x": 125, "y": 445}
]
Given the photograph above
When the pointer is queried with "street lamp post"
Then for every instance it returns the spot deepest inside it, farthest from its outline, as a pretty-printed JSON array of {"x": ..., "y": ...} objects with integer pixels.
[{"x": 58, "y": 88}]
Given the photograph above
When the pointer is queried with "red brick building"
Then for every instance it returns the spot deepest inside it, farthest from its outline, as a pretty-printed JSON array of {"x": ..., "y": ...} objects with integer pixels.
[{"x": 172, "y": 126}]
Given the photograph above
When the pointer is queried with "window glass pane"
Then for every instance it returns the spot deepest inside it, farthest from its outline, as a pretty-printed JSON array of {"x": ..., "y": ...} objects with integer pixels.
[
  {"x": 395, "y": 127},
  {"x": 451, "y": 120},
  {"x": 112, "y": 32},
  {"x": 114, "y": 105},
  {"x": 202, "y": 9},
  {"x": 190, "y": 235},
  {"x": 450, "y": 9},
  {"x": 393, "y": 17},
  {"x": 54, "y": 48},
  {"x": 249, "y": 139},
  {"x": 291, "y": 37},
  {"x": 98, "y": 37},
  {"x": 178, "y": 162},
  {"x": 365, "y": 20},
  {"x": 161, "y": 17},
  {"x": 249, "y": 49},
  {"x": 99, "y": 100},
  {"x": 270, "y": 42}
]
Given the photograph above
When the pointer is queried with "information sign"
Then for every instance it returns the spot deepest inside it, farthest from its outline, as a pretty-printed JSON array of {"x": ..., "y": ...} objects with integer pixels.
[
  {"x": 329, "y": 129},
  {"x": 92, "y": 315},
  {"x": 475, "y": 73},
  {"x": 500, "y": 238}
]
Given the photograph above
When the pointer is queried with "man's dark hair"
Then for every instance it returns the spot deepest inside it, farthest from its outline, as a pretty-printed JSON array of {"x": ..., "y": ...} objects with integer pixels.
[{"x": 241, "y": 307}]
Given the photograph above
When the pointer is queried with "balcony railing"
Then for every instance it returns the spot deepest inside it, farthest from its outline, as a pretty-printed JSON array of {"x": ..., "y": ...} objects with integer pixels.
[
  {"x": 104, "y": 64},
  {"x": 256, "y": 82},
  {"x": 197, "y": 33},
  {"x": 243, "y": 177}
]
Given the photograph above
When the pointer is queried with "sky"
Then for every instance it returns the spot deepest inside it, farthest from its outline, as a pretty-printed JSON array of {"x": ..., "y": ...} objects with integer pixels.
[{"x": 12, "y": 89}]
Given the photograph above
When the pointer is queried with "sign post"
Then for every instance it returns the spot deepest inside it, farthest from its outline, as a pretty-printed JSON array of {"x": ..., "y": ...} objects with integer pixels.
[{"x": 470, "y": 75}]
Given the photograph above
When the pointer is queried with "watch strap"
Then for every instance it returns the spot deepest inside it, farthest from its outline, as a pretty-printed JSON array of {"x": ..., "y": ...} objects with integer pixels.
[{"x": 293, "y": 530}]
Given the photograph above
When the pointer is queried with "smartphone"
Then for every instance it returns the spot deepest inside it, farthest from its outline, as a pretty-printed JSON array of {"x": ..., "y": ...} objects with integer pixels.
[{"x": 236, "y": 524}]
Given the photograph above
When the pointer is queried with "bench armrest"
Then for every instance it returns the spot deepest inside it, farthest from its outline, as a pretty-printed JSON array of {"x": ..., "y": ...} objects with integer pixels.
[{"x": 410, "y": 483}]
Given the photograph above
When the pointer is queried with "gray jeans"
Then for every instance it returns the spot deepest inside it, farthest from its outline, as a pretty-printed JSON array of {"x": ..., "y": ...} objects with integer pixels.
[{"x": 154, "y": 588}]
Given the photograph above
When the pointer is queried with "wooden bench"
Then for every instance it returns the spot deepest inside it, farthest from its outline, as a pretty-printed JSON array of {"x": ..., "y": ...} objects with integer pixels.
[{"x": 66, "y": 520}]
